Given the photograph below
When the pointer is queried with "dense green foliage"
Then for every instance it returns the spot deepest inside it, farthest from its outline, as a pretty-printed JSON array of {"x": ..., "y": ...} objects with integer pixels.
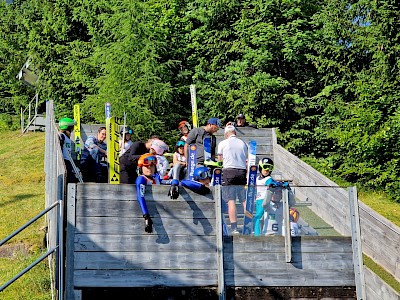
[{"x": 325, "y": 73}]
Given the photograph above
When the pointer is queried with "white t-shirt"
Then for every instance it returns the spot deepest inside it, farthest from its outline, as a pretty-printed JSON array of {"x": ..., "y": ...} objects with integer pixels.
[
  {"x": 234, "y": 153},
  {"x": 67, "y": 146},
  {"x": 179, "y": 157}
]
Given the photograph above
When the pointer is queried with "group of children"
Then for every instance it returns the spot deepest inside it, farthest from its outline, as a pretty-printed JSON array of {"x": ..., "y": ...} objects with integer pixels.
[{"x": 152, "y": 168}]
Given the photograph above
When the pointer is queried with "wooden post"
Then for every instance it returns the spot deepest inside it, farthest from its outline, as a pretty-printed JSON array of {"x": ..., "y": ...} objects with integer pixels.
[
  {"x": 220, "y": 242},
  {"x": 286, "y": 225},
  {"x": 356, "y": 242},
  {"x": 69, "y": 265}
]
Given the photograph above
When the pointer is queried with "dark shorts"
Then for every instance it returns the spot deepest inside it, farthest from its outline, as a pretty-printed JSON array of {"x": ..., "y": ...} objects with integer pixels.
[{"x": 233, "y": 184}]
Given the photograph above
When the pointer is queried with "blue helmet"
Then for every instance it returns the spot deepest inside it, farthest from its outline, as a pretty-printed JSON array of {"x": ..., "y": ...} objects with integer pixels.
[
  {"x": 201, "y": 173},
  {"x": 180, "y": 144}
]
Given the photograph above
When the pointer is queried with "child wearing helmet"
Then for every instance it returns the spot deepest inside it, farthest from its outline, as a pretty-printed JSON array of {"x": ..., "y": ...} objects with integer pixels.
[
  {"x": 125, "y": 140},
  {"x": 158, "y": 148},
  {"x": 178, "y": 170},
  {"x": 265, "y": 167},
  {"x": 184, "y": 128},
  {"x": 66, "y": 126},
  {"x": 147, "y": 176}
]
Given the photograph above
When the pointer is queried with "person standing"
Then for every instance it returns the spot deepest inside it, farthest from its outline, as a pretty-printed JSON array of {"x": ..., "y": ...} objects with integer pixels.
[
  {"x": 66, "y": 126},
  {"x": 241, "y": 122},
  {"x": 265, "y": 168},
  {"x": 232, "y": 151},
  {"x": 93, "y": 153},
  {"x": 196, "y": 136}
]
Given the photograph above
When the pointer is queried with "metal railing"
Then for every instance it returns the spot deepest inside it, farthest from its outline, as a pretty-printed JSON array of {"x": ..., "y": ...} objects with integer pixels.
[
  {"x": 33, "y": 116},
  {"x": 59, "y": 247}
]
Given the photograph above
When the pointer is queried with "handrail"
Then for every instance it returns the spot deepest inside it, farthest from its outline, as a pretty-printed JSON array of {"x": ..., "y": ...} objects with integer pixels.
[
  {"x": 59, "y": 247},
  {"x": 28, "y": 223},
  {"x": 28, "y": 268}
]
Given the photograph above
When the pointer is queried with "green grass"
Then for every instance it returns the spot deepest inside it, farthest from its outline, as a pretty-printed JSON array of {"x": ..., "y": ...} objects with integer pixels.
[
  {"x": 323, "y": 228},
  {"x": 379, "y": 202},
  {"x": 385, "y": 276},
  {"x": 22, "y": 197}
]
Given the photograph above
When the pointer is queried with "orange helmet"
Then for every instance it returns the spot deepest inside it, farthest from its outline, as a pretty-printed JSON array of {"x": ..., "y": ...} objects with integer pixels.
[
  {"x": 184, "y": 123},
  {"x": 147, "y": 160}
]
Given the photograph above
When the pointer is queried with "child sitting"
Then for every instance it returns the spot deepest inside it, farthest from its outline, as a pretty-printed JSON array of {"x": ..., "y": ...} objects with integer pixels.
[{"x": 178, "y": 170}]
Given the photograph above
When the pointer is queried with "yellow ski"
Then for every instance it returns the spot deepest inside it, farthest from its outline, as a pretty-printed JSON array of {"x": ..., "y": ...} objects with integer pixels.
[
  {"x": 194, "y": 105},
  {"x": 112, "y": 128},
  {"x": 77, "y": 131}
]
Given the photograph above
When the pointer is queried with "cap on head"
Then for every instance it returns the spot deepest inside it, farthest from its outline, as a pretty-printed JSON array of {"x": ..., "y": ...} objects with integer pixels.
[
  {"x": 159, "y": 146},
  {"x": 240, "y": 116},
  {"x": 230, "y": 128},
  {"x": 66, "y": 122},
  {"x": 214, "y": 121}
]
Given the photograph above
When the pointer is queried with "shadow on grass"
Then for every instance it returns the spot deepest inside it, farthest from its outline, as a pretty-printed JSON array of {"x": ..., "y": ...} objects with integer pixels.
[{"x": 17, "y": 198}]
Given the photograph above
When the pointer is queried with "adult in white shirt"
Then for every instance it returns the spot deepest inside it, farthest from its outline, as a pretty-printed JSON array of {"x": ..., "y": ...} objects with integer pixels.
[{"x": 232, "y": 151}]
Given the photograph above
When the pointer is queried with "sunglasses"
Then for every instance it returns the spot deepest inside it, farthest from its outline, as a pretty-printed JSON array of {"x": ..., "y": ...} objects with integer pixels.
[
  {"x": 267, "y": 167},
  {"x": 204, "y": 175},
  {"x": 150, "y": 161}
]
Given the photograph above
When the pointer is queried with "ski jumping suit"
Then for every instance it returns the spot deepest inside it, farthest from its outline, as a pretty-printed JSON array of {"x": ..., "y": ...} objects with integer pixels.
[
  {"x": 262, "y": 186},
  {"x": 141, "y": 183},
  {"x": 273, "y": 213}
]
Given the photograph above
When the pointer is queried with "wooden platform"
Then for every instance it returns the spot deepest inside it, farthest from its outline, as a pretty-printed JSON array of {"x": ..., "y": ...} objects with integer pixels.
[{"x": 108, "y": 248}]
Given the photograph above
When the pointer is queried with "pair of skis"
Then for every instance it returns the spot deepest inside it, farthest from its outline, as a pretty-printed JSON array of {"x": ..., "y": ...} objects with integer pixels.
[{"x": 251, "y": 189}]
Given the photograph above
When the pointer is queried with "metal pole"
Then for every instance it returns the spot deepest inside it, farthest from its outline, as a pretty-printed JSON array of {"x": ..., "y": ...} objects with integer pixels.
[
  {"x": 60, "y": 250},
  {"x": 27, "y": 268},
  {"x": 28, "y": 223}
]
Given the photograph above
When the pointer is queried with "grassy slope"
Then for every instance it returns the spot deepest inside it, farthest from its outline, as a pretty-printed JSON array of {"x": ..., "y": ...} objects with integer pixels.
[{"x": 22, "y": 198}]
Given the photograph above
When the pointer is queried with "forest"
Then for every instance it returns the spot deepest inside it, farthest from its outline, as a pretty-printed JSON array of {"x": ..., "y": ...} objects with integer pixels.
[{"x": 325, "y": 73}]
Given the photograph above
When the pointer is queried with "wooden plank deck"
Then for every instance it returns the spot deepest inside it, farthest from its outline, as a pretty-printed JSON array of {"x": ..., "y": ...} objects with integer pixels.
[{"x": 108, "y": 248}]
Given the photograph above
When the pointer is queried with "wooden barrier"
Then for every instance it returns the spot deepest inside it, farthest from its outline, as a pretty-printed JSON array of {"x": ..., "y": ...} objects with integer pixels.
[
  {"x": 108, "y": 248},
  {"x": 380, "y": 237}
]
